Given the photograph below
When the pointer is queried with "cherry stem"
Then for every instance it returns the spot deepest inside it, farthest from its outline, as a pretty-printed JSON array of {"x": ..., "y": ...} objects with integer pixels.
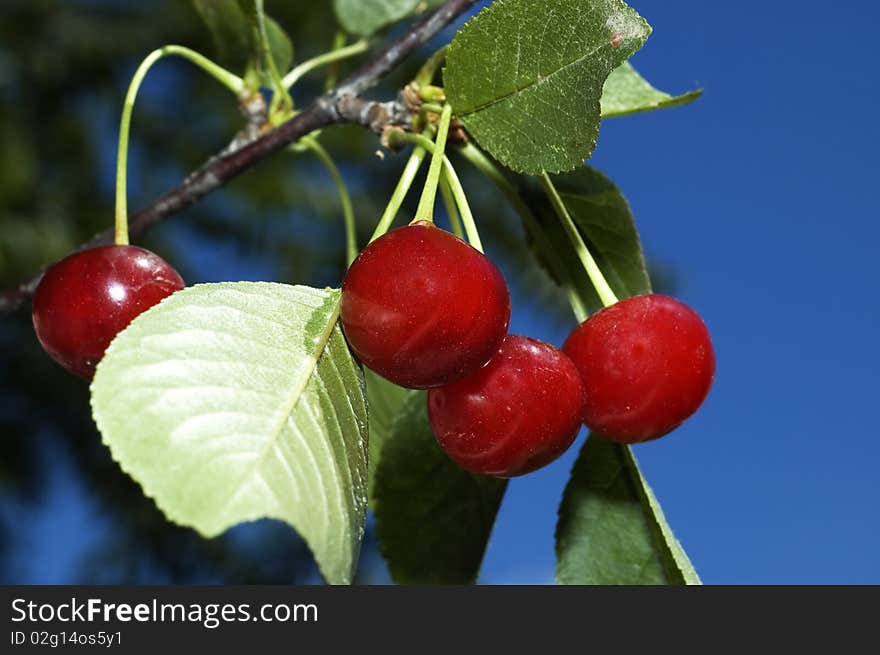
[
  {"x": 606, "y": 295},
  {"x": 451, "y": 209},
  {"x": 457, "y": 190},
  {"x": 229, "y": 80},
  {"x": 403, "y": 186},
  {"x": 425, "y": 211},
  {"x": 431, "y": 93},
  {"x": 280, "y": 96},
  {"x": 333, "y": 68},
  {"x": 309, "y": 65},
  {"x": 426, "y": 73},
  {"x": 351, "y": 249},
  {"x": 486, "y": 166}
]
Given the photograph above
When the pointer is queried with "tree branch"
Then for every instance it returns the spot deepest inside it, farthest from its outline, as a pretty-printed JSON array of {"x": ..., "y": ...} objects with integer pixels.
[{"x": 339, "y": 106}]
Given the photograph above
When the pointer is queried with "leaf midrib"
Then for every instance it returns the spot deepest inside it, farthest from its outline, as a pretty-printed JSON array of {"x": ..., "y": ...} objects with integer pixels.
[{"x": 296, "y": 392}]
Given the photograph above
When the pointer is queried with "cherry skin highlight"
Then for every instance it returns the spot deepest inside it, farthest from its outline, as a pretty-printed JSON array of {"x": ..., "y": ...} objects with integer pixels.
[
  {"x": 518, "y": 413},
  {"x": 647, "y": 364},
  {"x": 89, "y": 297},
  {"x": 422, "y": 308}
]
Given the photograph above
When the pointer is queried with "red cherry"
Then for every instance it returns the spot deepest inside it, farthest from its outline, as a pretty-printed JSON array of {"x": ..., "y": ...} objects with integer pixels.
[
  {"x": 518, "y": 413},
  {"x": 422, "y": 308},
  {"x": 647, "y": 364},
  {"x": 89, "y": 297}
]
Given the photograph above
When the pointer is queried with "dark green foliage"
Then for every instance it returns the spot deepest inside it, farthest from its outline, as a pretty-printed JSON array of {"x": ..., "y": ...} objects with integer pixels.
[{"x": 433, "y": 519}]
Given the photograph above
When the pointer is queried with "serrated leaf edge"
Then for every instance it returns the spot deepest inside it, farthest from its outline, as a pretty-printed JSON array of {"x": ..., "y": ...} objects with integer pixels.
[{"x": 175, "y": 517}]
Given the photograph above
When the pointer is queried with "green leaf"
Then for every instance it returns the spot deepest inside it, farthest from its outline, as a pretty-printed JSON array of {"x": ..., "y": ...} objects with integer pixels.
[
  {"x": 237, "y": 401},
  {"x": 526, "y": 77},
  {"x": 626, "y": 92},
  {"x": 231, "y": 23},
  {"x": 603, "y": 217},
  {"x": 611, "y": 529},
  {"x": 230, "y": 29},
  {"x": 433, "y": 520},
  {"x": 386, "y": 400},
  {"x": 280, "y": 45},
  {"x": 366, "y": 17}
]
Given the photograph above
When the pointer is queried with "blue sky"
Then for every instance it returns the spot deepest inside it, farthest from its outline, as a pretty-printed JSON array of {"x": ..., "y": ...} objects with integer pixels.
[{"x": 761, "y": 197}]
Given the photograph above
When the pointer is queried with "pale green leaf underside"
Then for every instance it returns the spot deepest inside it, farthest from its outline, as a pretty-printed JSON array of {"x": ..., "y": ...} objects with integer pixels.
[
  {"x": 237, "y": 401},
  {"x": 433, "y": 519},
  {"x": 626, "y": 92},
  {"x": 365, "y": 17},
  {"x": 526, "y": 77},
  {"x": 611, "y": 529}
]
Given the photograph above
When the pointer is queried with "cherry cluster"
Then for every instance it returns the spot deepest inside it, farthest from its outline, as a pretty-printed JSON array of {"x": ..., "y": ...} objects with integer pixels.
[{"x": 425, "y": 310}]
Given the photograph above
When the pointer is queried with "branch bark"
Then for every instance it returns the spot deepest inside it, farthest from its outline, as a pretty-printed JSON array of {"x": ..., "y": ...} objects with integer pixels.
[{"x": 342, "y": 105}]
